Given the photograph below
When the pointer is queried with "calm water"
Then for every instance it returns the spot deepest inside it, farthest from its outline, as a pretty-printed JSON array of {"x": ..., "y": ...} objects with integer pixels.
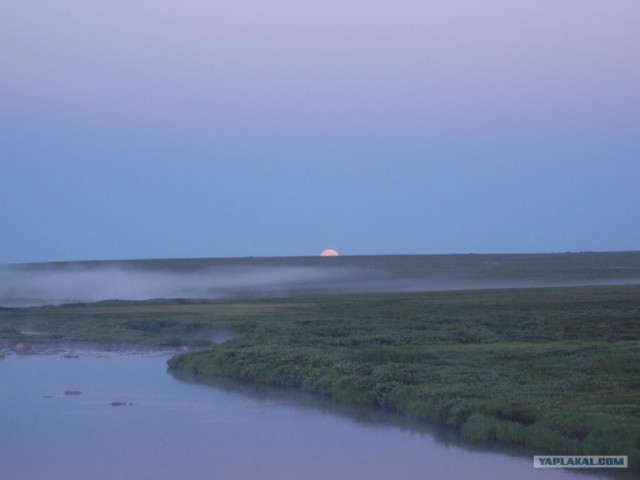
[{"x": 175, "y": 429}]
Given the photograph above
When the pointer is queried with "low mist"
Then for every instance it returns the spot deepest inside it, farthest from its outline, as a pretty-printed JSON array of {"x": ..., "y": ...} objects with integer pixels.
[
  {"x": 75, "y": 282},
  {"x": 24, "y": 287}
]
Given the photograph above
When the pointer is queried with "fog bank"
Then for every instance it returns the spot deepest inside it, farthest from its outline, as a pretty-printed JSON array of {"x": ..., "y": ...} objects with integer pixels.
[
  {"x": 22, "y": 287},
  {"x": 58, "y": 283}
]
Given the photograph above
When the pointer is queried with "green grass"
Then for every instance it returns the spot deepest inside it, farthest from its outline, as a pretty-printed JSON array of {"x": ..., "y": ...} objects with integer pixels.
[
  {"x": 553, "y": 368},
  {"x": 557, "y": 369}
]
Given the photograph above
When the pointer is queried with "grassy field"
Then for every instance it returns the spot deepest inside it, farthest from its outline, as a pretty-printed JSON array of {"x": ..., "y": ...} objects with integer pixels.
[{"x": 554, "y": 368}]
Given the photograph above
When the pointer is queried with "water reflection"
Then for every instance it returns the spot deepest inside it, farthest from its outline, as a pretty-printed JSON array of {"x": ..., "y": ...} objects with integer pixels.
[
  {"x": 365, "y": 415},
  {"x": 380, "y": 418}
]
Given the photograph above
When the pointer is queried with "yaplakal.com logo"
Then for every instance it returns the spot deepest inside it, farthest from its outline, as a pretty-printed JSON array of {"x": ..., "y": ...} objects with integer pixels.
[{"x": 581, "y": 461}]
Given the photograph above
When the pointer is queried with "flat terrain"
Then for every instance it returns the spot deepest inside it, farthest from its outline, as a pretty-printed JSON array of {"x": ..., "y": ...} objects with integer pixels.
[
  {"x": 240, "y": 278},
  {"x": 555, "y": 367}
]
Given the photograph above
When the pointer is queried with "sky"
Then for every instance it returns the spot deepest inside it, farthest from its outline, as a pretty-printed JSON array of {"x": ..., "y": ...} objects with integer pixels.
[{"x": 159, "y": 129}]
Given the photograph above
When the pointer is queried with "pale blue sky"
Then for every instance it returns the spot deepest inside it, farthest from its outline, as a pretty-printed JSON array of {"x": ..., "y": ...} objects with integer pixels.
[{"x": 250, "y": 128}]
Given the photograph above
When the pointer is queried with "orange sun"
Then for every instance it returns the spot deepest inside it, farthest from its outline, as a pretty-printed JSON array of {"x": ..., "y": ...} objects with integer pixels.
[{"x": 329, "y": 252}]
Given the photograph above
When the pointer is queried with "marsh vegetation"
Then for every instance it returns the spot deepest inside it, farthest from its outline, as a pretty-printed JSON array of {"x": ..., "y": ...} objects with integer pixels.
[{"x": 557, "y": 368}]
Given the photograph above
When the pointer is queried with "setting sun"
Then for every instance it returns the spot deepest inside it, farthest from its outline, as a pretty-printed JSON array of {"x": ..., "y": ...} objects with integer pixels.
[{"x": 329, "y": 253}]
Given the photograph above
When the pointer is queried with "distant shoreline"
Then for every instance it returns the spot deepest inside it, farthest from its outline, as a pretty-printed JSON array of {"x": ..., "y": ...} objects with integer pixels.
[{"x": 199, "y": 260}]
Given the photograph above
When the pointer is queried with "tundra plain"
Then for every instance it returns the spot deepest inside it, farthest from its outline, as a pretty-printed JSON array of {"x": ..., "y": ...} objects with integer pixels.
[{"x": 539, "y": 350}]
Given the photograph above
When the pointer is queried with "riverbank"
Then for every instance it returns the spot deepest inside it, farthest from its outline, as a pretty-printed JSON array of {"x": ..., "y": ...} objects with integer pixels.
[
  {"x": 71, "y": 417},
  {"x": 553, "y": 368}
]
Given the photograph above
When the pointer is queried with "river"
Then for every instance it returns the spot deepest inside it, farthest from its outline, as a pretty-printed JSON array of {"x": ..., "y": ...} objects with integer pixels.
[{"x": 81, "y": 414}]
